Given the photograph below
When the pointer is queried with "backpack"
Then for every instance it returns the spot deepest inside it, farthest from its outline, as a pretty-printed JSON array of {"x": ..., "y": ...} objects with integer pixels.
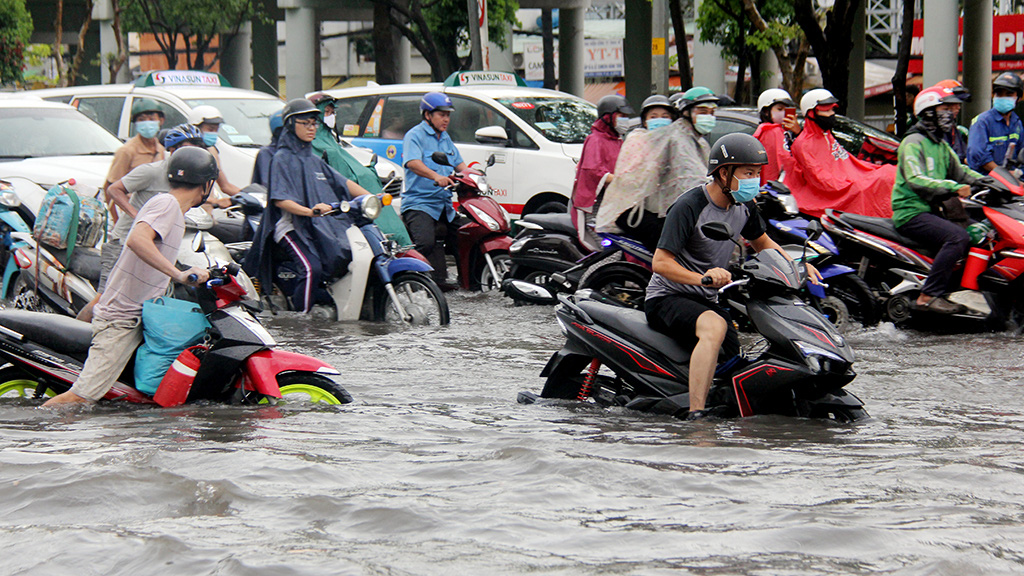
[{"x": 66, "y": 220}]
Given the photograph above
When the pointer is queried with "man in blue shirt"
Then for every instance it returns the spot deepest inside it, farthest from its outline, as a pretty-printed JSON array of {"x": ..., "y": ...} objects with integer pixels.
[
  {"x": 993, "y": 133},
  {"x": 426, "y": 204}
]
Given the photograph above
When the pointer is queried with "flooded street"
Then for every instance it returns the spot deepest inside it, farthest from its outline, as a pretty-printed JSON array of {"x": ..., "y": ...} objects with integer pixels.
[{"x": 435, "y": 469}]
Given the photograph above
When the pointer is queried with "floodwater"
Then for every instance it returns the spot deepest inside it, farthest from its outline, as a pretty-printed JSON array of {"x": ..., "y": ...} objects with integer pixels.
[{"x": 436, "y": 470}]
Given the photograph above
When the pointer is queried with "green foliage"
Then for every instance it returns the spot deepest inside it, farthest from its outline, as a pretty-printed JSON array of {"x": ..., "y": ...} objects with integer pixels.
[
  {"x": 717, "y": 20},
  {"x": 190, "y": 17},
  {"x": 36, "y": 56},
  {"x": 15, "y": 30},
  {"x": 448, "y": 19}
]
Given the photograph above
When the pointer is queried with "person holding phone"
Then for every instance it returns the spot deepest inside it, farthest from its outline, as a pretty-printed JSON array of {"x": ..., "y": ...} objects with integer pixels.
[{"x": 779, "y": 127}]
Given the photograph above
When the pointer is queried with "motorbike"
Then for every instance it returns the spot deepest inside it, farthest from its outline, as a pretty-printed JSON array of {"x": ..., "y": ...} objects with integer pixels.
[
  {"x": 898, "y": 266},
  {"x": 45, "y": 353},
  {"x": 483, "y": 245},
  {"x": 799, "y": 367},
  {"x": 547, "y": 243}
]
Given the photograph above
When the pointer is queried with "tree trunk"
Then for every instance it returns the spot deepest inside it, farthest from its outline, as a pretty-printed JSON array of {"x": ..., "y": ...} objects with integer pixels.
[
  {"x": 76, "y": 62},
  {"x": 115, "y": 64},
  {"x": 832, "y": 46},
  {"x": 58, "y": 44},
  {"x": 675, "y": 8},
  {"x": 385, "y": 49},
  {"x": 547, "y": 33},
  {"x": 741, "y": 64},
  {"x": 899, "y": 77}
]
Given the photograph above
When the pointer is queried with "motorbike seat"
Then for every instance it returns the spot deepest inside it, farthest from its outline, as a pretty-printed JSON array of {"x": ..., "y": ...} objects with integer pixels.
[
  {"x": 553, "y": 222},
  {"x": 633, "y": 323},
  {"x": 85, "y": 262},
  {"x": 59, "y": 333},
  {"x": 883, "y": 227}
]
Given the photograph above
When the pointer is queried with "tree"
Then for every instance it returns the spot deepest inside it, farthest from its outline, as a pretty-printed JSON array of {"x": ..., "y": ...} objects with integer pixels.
[
  {"x": 194, "y": 22},
  {"x": 785, "y": 40},
  {"x": 675, "y": 8},
  {"x": 15, "y": 30},
  {"x": 899, "y": 77},
  {"x": 832, "y": 43},
  {"x": 437, "y": 28}
]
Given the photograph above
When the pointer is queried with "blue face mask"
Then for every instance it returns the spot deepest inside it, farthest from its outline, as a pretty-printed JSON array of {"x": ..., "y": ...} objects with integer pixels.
[
  {"x": 147, "y": 128},
  {"x": 1004, "y": 104},
  {"x": 209, "y": 138},
  {"x": 704, "y": 123},
  {"x": 655, "y": 123},
  {"x": 747, "y": 191}
]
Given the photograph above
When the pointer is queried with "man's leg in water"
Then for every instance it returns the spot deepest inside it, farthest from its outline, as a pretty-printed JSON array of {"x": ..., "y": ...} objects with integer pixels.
[
  {"x": 113, "y": 344},
  {"x": 711, "y": 331}
]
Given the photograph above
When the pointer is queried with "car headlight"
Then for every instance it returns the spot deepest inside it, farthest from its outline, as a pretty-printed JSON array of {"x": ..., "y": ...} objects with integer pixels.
[
  {"x": 371, "y": 206},
  {"x": 485, "y": 218}
]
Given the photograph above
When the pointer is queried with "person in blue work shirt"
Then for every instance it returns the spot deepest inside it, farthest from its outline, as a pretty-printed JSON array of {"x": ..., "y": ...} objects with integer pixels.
[
  {"x": 426, "y": 204},
  {"x": 997, "y": 133}
]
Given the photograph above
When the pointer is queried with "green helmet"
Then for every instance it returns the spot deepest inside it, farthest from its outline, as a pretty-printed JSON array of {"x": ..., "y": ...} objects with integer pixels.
[
  {"x": 145, "y": 105},
  {"x": 697, "y": 96}
]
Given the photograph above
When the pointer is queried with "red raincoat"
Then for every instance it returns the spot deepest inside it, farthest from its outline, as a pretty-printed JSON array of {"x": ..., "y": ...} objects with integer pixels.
[
  {"x": 773, "y": 137},
  {"x": 600, "y": 151},
  {"x": 826, "y": 176}
]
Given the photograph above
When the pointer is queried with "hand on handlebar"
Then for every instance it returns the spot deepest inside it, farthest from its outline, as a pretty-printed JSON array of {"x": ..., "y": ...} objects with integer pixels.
[
  {"x": 812, "y": 274},
  {"x": 193, "y": 276},
  {"x": 716, "y": 277},
  {"x": 443, "y": 181},
  {"x": 321, "y": 209},
  {"x": 964, "y": 192}
]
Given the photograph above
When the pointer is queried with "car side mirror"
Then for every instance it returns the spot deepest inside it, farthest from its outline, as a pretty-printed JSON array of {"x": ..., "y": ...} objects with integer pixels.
[
  {"x": 440, "y": 158},
  {"x": 718, "y": 231},
  {"x": 493, "y": 135}
]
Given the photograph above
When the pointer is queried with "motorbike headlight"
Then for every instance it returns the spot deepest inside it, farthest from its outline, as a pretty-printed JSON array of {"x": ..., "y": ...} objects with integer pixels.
[
  {"x": 505, "y": 214},
  {"x": 10, "y": 199},
  {"x": 371, "y": 206},
  {"x": 789, "y": 204},
  {"x": 481, "y": 184},
  {"x": 485, "y": 218},
  {"x": 819, "y": 359}
]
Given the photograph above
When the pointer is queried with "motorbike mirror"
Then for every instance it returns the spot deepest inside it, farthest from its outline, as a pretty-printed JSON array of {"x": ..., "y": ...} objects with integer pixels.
[
  {"x": 440, "y": 158},
  {"x": 492, "y": 135},
  {"x": 814, "y": 230},
  {"x": 779, "y": 187},
  {"x": 197, "y": 243},
  {"x": 719, "y": 231}
]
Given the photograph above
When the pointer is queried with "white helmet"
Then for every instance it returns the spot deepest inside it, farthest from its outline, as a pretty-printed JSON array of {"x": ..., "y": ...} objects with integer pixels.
[
  {"x": 932, "y": 97},
  {"x": 205, "y": 115},
  {"x": 814, "y": 98},
  {"x": 774, "y": 96}
]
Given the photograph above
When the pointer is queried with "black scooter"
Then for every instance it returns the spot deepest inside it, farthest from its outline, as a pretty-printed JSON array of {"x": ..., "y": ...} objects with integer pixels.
[{"x": 799, "y": 368}]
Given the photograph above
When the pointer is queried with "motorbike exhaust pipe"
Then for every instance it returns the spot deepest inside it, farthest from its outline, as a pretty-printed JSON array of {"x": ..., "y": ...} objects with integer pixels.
[{"x": 524, "y": 291}]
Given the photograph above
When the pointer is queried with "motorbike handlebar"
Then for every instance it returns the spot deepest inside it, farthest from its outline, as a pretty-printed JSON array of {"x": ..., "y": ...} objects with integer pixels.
[
  {"x": 706, "y": 281},
  {"x": 218, "y": 274}
]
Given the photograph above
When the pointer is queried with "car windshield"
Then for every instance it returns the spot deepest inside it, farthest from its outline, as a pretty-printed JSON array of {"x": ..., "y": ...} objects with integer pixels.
[
  {"x": 564, "y": 120},
  {"x": 39, "y": 132},
  {"x": 246, "y": 120}
]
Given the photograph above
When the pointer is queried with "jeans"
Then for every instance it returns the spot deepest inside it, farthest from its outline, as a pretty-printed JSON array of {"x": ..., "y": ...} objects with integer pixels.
[{"x": 950, "y": 239}]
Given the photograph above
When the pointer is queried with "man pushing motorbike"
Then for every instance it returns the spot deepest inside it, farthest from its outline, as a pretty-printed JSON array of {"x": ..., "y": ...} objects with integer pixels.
[
  {"x": 142, "y": 273},
  {"x": 682, "y": 298}
]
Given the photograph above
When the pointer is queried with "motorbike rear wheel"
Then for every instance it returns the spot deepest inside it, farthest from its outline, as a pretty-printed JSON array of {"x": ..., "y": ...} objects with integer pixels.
[
  {"x": 24, "y": 297},
  {"x": 420, "y": 297},
  {"x": 852, "y": 291},
  {"x": 16, "y": 383},
  {"x": 621, "y": 282},
  {"x": 304, "y": 387}
]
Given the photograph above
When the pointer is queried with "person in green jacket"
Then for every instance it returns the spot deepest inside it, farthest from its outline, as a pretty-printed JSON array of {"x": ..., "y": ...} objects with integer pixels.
[
  {"x": 326, "y": 145},
  {"x": 929, "y": 173}
]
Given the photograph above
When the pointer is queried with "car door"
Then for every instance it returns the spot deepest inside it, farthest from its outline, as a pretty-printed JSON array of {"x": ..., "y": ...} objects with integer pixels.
[
  {"x": 389, "y": 119},
  {"x": 469, "y": 116}
]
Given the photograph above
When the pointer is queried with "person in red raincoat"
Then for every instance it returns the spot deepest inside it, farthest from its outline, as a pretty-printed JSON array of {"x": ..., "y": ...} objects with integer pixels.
[
  {"x": 826, "y": 176},
  {"x": 776, "y": 132},
  {"x": 597, "y": 162}
]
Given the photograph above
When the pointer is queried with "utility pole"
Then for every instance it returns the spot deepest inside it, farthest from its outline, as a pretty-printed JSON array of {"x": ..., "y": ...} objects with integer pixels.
[
  {"x": 659, "y": 45},
  {"x": 475, "y": 41}
]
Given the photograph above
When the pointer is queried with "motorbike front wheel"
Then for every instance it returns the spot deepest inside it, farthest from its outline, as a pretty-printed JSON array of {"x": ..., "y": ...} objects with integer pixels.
[
  {"x": 420, "y": 298},
  {"x": 502, "y": 265},
  {"x": 302, "y": 387}
]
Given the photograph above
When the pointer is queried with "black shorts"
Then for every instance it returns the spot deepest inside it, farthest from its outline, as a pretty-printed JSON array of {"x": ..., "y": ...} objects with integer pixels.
[{"x": 676, "y": 315}]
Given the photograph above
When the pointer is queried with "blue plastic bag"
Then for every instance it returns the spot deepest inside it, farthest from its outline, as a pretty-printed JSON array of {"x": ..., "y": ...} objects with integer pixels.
[{"x": 168, "y": 326}]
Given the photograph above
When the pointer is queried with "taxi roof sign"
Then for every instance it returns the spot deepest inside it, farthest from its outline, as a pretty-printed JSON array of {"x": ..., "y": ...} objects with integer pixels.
[
  {"x": 182, "y": 78},
  {"x": 484, "y": 78}
]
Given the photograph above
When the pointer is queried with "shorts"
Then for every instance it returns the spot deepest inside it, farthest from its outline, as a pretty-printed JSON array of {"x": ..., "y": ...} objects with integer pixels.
[
  {"x": 676, "y": 316},
  {"x": 109, "y": 253}
]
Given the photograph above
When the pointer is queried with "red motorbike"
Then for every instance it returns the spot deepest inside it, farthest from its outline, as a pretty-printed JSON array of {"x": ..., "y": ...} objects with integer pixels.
[
  {"x": 44, "y": 354},
  {"x": 484, "y": 239}
]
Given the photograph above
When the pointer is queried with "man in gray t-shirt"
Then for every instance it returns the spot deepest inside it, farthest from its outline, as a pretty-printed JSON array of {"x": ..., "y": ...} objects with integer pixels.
[{"x": 689, "y": 267}]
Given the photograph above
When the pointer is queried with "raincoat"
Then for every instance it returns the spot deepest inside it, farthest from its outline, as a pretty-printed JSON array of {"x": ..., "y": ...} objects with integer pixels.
[
  {"x": 296, "y": 174},
  {"x": 780, "y": 160},
  {"x": 326, "y": 147},
  {"x": 654, "y": 167},
  {"x": 261, "y": 169},
  {"x": 826, "y": 176},
  {"x": 600, "y": 150}
]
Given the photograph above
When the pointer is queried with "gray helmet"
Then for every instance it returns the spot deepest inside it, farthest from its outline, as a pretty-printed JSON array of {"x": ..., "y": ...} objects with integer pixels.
[
  {"x": 657, "y": 101},
  {"x": 192, "y": 165},
  {"x": 736, "y": 149},
  {"x": 1009, "y": 81},
  {"x": 298, "y": 107},
  {"x": 613, "y": 103}
]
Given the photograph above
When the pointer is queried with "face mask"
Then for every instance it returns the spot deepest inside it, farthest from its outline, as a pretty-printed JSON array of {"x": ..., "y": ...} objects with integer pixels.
[
  {"x": 1004, "y": 104},
  {"x": 655, "y": 123},
  {"x": 147, "y": 128},
  {"x": 622, "y": 125},
  {"x": 778, "y": 116},
  {"x": 825, "y": 122},
  {"x": 747, "y": 191},
  {"x": 329, "y": 121},
  {"x": 704, "y": 123},
  {"x": 946, "y": 121},
  {"x": 205, "y": 197},
  {"x": 209, "y": 138}
]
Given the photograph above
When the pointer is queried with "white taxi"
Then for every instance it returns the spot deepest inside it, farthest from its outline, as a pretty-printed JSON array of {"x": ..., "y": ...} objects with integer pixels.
[{"x": 535, "y": 135}]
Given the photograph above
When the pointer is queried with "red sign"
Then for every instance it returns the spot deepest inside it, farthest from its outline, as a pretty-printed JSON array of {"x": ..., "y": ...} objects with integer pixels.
[{"x": 1007, "y": 43}]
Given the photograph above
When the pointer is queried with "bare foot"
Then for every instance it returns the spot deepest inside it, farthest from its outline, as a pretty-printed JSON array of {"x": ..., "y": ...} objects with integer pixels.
[
  {"x": 68, "y": 397},
  {"x": 924, "y": 299}
]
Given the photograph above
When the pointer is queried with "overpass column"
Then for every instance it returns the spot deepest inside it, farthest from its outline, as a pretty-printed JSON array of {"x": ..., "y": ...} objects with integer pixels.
[
  {"x": 236, "y": 60},
  {"x": 708, "y": 63},
  {"x": 855, "y": 88},
  {"x": 570, "y": 50},
  {"x": 940, "y": 40},
  {"x": 300, "y": 38},
  {"x": 637, "y": 52},
  {"x": 977, "y": 57}
]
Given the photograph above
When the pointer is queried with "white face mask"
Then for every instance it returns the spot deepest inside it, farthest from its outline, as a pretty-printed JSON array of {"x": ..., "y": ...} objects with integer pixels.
[
  {"x": 329, "y": 121},
  {"x": 622, "y": 125},
  {"x": 778, "y": 116}
]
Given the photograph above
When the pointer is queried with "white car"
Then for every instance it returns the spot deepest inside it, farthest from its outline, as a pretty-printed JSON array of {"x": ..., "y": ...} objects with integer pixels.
[
  {"x": 246, "y": 114},
  {"x": 535, "y": 135},
  {"x": 46, "y": 143}
]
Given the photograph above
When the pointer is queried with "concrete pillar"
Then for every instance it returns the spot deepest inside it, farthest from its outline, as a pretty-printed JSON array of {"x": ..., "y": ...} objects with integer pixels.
[
  {"x": 265, "y": 75},
  {"x": 659, "y": 45},
  {"x": 771, "y": 72},
  {"x": 236, "y": 59},
  {"x": 977, "y": 57},
  {"x": 570, "y": 51},
  {"x": 708, "y": 63},
  {"x": 403, "y": 64},
  {"x": 940, "y": 40},
  {"x": 637, "y": 52},
  {"x": 300, "y": 60},
  {"x": 855, "y": 88},
  {"x": 103, "y": 17},
  {"x": 501, "y": 58}
]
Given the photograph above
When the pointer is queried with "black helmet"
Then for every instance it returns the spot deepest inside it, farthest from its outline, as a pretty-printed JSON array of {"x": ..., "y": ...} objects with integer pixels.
[
  {"x": 298, "y": 107},
  {"x": 736, "y": 149},
  {"x": 657, "y": 101},
  {"x": 613, "y": 103},
  {"x": 1009, "y": 81},
  {"x": 192, "y": 165}
]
